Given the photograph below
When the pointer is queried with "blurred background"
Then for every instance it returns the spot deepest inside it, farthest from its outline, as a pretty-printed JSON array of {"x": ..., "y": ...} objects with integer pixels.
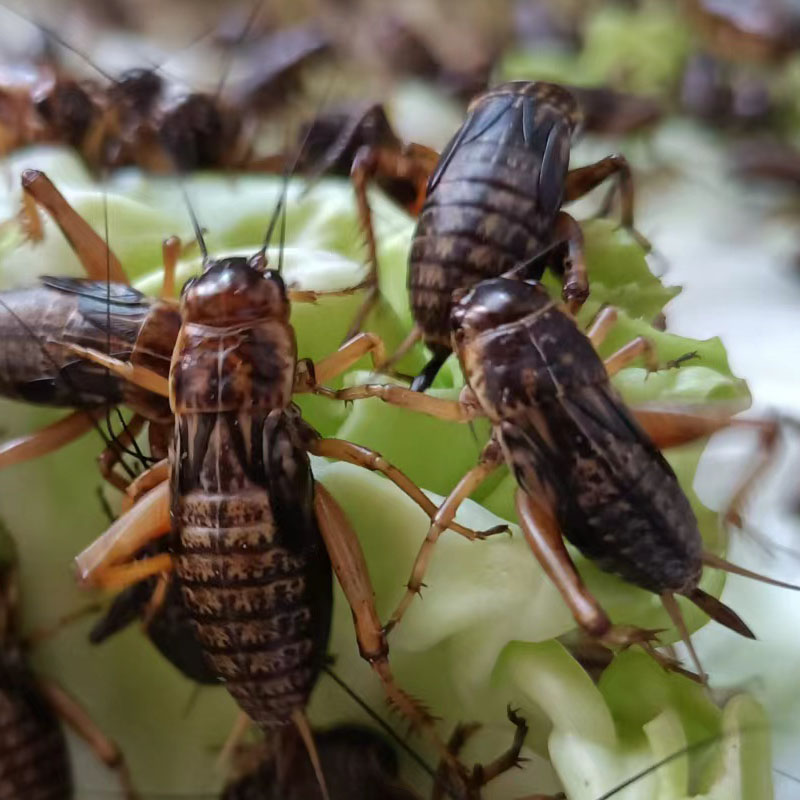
[{"x": 703, "y": 98}]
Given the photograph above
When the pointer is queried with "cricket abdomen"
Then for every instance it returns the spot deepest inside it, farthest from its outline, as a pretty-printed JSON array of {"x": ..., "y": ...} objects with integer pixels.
[
  {"x": 252, "y": 606},
  {"x": 493, "y": 198},
  {"x": 479, "y": 222}
]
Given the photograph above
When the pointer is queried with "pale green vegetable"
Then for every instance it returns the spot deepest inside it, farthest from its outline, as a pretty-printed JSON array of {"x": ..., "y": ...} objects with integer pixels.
[{"x": 484, "y": 633}]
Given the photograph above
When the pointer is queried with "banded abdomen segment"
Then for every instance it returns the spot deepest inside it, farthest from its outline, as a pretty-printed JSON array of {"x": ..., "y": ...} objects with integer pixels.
[
  {"x": 33, "y": 755},
  {"x": 491, "y": 203},
  {"x": 255, "y": 575}
]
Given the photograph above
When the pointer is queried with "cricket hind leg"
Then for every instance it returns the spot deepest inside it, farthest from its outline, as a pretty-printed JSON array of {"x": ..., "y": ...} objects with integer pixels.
[
  {"x": 582, "y": 180},
  {"x": 350, "y": 567},
  {"x": 368, "y": 164},
  {"x": 545, "y": 539},
  {"x": 94, "y": 254},
  {"x": 78, "y": 719}
]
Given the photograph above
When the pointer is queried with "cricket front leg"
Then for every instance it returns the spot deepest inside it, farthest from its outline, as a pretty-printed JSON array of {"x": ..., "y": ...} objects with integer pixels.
[
  {"x": 464, "y": 409},
  {"x": 350, "y": 567},
  {"x": 491, "y": 459},
  {"x": 341, "y": 450},
  {"x": 546, "y": 540},
  {"x": 78, "y": 719},
  {"x": 310, "y": 377},
  {"x": 94, "y": 254},
  {"x": 133, "y": 373}
]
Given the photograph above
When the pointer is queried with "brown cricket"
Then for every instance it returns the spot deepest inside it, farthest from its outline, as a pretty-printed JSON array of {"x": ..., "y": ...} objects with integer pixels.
[
  {"x": 252, "y": 536},
  {"x": 588, "y": 468},
  {"x": 491, "y": 200}
]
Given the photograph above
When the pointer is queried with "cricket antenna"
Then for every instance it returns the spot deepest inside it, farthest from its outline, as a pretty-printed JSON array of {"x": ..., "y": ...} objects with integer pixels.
[
  {"x": 282, "y": 240},
  {"x": 304, "y": 729},
  {"x": 254, "y": 12},
  {"x": 50, "y": 33},
  {"x": 379, "y": 721},
  {"x": 198, "y": 231},
  {"x": 290, "y": 169}
]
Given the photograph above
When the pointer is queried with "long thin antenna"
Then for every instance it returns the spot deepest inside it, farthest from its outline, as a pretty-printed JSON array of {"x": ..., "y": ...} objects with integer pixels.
[
  {"x": 57, "y": 38},
  {"x": 226, "y": 70},
  {"x": 291, "y": 168},
  {"x": 381, "y": 722},
  {"x": 198, "y": 231}
]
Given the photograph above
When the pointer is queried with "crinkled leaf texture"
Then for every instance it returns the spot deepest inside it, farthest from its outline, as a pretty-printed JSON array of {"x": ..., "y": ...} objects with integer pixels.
[{"x": 483, "y": 635}]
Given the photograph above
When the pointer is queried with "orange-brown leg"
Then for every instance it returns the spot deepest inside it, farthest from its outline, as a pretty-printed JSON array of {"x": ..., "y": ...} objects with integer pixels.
[
  {"x": 582, "y": 180},
  {"x": 48, "y": 439},
  {"x": 133, "y": 373},
  {"x": 545, "y": 539},
  {"x": 350, "y": 568},
  {"x": 368, "y": 163},
  {"x": 143, "y": 483},
  {"x": 74, "y": 715},
  {"x": 601, "y": 325},
  {"x": 341, "y": 450},
  {"x": 335, "y": 364},
  {"x": 93, "y": 253},
  {"x": 491, "y": 459},
  {"x": 441, "y": 408},
  {"x": 673, "y": 609},
  {"x": 101, "y": 564},
  {"x": 642, "y": 347}
]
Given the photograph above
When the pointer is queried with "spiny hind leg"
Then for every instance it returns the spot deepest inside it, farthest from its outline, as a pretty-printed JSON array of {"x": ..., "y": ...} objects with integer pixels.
[
  {"x": 50, "y": 438},
  {"x": 78, "y": 719},
  {"x": 350, "y": 567},
  {"x": 544, "y": 537},
  {"x": 341, "y": 450},
  {"x": 105, "y": 563},
  {"x": 94, "y": 254},
  {"x": 369, "y": 163},
  {"x": 491, "y": 459},
  {"x": 582, "y": 180}
]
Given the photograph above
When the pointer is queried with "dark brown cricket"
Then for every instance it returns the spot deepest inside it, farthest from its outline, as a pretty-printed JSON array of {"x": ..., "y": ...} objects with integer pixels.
[
  {"x": 492, "y": 200},
  {"x": 249, "y": 557}
]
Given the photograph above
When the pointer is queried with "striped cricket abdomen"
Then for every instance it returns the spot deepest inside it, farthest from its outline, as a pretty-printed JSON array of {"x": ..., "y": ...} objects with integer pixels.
[
  {"x": 33, "y": 753},
  {"x": 254, "y": 572},
  {"x": 491, "y": 201}
]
